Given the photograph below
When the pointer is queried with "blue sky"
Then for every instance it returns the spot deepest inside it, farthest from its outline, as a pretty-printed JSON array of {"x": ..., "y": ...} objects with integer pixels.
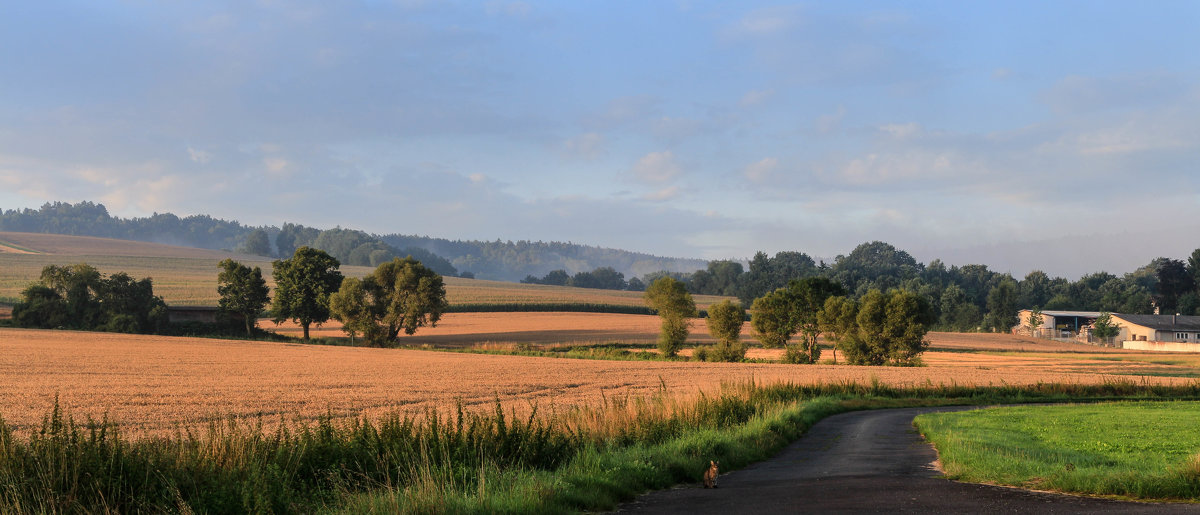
[{"x": 1061, "y": 136}]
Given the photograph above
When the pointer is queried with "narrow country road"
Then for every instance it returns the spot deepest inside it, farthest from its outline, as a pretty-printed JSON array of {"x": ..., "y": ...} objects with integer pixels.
[{"x": 866, "y": 461}]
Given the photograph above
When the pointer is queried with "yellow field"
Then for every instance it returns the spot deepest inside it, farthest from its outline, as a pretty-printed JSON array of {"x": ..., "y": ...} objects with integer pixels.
[
  {"x": 153, "y": 383},
  {"x": 188, "y": 276}
]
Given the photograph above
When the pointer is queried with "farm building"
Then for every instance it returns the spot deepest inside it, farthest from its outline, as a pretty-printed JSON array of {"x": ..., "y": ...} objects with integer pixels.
[
  {"x": 1176, "y": 333},
  {"x": 1056, "y": 324},
  {"x": 202, "y": 314}
]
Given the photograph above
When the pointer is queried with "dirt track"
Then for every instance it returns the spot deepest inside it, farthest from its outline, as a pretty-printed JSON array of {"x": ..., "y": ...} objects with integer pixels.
[{"x": 867, "y": 462}]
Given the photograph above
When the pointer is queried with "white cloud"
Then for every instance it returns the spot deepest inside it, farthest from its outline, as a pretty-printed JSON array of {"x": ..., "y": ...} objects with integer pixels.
[
  {"x": 756, "y": 97},
  {"x": 761, "y": 170},
  {"x": 1002, "y": 74},
  {"x": 95, "y": 176},
  {"x": 667, "y": 193},
  {"x": 275, "y": 165},
  {"x": 901, "y": 130},
  {"x": 876, "y": 169},
  {"x": 766, "y": 22},
  {"x": 657, "y": 167},
  {"x": 199, "y": 156},
  {"x": 589, "y": 145}
]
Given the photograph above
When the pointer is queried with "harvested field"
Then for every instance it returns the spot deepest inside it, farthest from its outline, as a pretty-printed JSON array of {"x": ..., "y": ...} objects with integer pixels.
[
  {"x": 63, "y": 245},
  {"x": 474, "y": 291},
  {"x": 153, "y": 384},
  {"x": 979, "y": 351}
]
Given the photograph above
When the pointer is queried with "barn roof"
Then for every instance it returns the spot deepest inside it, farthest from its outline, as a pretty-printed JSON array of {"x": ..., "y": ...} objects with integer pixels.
[
  {"x": 1163, "y": 322},
  {"x": 1085, "y": 314}
]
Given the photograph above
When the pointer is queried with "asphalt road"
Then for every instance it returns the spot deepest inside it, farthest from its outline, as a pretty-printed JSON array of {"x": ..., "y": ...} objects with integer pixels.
[{"x": 866, "y": 462}]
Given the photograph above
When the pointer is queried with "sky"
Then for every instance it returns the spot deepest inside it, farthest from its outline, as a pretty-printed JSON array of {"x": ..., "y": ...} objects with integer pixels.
[{"x": 1061, "y": 136}]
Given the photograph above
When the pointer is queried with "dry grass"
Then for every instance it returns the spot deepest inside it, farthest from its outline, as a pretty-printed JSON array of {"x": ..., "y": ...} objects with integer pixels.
[
  {"x": 152, "y": 383},
  {"x": 188, "y": 276}
]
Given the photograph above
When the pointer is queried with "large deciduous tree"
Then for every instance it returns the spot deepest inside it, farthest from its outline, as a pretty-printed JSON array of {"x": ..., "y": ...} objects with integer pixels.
[
  {"x": 890, "y": 329},
  {"x": 257, "y": 243},
  {"x": 1002, "y": 306},
  {"x": 786, "y": 311},
  {"x": 838, "y": 319},
  {"x": 674, "y": 305},
  {"x": 1174, "y": 281},
  {"x": 771, "y": 318},
  {"x": 243, "y": 291},
  {"x": 400, "y": 295},
  {"x": 303, "y": 284},
  {"x": 725, "y": 321},
  {"x": 808, "y": 297}
]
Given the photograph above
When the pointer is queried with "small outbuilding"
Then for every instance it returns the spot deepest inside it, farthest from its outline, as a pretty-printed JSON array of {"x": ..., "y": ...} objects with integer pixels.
[
  {"x": 1055, "y": 324},
  {"x": 201, "y": 314}
]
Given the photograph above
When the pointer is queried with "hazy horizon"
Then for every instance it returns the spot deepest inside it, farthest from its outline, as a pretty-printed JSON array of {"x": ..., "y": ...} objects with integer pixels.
[{"x": 1021, "y": 135}]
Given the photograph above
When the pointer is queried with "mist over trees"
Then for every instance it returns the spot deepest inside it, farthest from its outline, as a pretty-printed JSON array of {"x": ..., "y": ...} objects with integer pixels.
[
  {"x": 603, "y": 278},
  {"x": 958, "y": 295},
  {"x": 495, "y": 260}
]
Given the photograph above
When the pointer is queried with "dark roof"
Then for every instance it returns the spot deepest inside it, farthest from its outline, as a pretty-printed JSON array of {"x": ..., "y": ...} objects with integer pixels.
[
  {"x": 1084, "y": 314},
  {"x": 1163, "y": 322}
]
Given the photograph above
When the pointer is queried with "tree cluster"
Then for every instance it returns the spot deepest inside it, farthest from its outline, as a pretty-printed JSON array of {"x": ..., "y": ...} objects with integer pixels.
[
  {"x": 725, "y": 320},
  {"x": 91, "y": 219},
  {"x": 603, "y": 278},
  {"x": 674, "y": 305},
  {"x": 782, "y": 313},
  {"x": 513, "y": 260},
  {"x": 878, "y": 328},
  {"x": 355, "y": 248},
  {"x": 400, "y": 295},
  {"x": 80, "y": 297},
  {"x": 243, "y": 292},
  {"x": 963, "y": 298}
]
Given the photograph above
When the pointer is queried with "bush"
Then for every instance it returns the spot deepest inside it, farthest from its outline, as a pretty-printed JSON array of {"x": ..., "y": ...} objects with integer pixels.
[
  {"x": 731, "y": 351},
  {"x": 796, "y": 355}
]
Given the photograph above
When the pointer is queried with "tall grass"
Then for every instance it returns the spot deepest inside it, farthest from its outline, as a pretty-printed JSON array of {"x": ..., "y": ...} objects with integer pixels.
[{"x": 587, "y": 457}]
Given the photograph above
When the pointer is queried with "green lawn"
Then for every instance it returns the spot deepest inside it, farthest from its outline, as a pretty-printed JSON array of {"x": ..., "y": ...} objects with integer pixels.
[{"x": 1146, "y": 450}]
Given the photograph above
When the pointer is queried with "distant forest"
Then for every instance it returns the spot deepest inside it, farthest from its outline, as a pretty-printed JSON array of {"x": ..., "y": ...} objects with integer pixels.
[
  {"x": 965, "y": 298},
  {"x": 496, "y": 260}
]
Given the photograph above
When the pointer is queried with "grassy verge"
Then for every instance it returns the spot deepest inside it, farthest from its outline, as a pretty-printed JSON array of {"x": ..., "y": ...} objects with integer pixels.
[
  {"x": 1134, "y": 450},
  {"x": 581, "y": 458}
]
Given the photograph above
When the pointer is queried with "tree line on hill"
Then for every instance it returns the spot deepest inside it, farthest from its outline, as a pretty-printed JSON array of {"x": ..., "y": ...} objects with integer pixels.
[
  {"x": 963, "y": 298},
  {"x": 497, "y": 260},
  {"x": 966, "y": 298}
]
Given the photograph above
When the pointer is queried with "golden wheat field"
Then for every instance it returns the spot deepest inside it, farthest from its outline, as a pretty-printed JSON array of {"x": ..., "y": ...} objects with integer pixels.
[
  {"x": 188, "y": 276},
  {"x": 152, "y": 384}
]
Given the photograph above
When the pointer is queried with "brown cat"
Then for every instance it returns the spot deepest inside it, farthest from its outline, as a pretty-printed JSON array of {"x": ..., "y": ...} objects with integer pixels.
[{"x": 710, "y": 475}]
